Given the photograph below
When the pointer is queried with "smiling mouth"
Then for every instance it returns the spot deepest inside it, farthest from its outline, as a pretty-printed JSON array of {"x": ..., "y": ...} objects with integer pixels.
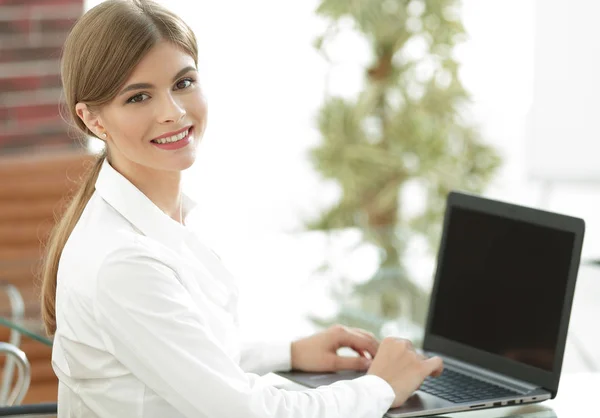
[{"x": 172, "y": 138}]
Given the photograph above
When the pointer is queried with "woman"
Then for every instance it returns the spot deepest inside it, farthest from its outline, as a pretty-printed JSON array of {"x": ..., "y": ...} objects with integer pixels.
[{"x": 143, "y": 314}]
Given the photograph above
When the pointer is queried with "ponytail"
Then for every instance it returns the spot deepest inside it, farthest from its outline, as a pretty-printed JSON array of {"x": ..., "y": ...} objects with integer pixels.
[{"x": 57, "y": 240}]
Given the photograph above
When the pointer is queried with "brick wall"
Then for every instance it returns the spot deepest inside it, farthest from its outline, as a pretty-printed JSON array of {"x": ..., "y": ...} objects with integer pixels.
[{"x": 32, "y": 33}]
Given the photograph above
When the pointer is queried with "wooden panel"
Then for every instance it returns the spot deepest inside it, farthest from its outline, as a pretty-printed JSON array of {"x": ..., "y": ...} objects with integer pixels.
[
  {"x": 42, "y": 165},
  {"x": 35, "y": 191},
  {"x": 19, "y": 233},
  {"x": 33, "y": 209},
  {"x": 10, "y": 256},
  {"x": 43, "y": 187}
]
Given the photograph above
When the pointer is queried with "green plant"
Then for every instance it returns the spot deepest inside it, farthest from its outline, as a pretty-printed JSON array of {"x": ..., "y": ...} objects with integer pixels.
[{"x": 406, "y": 127}]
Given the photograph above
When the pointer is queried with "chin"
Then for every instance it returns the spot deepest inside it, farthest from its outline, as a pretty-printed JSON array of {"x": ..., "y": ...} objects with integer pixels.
[
  {"x": 185, "y": 162},
  {"x": 187, "y": 165}
]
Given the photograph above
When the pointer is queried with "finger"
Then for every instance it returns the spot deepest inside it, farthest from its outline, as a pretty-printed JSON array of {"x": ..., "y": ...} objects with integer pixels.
[
  {"x": 422, "y": 357},
  {"x": 351, "y": 363},
  {"x": 433, "y": 366},
  {"x": 369, "y": 335},
  {"x": 360, "y": 342},
  {"x": 365, "y": 332},
  {"x": 362, "y": 353},
  {"x": 409, "y": 344},
  {"x": 366, "y": 353}
]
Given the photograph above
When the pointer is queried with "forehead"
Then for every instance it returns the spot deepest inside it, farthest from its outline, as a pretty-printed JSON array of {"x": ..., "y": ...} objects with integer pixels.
[{"x": 161, "y": 63}]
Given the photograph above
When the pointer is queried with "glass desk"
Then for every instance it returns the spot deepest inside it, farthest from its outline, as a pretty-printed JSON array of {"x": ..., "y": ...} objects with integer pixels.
[
  {"x": 14, "y": 316},
  {"x": 29, "y": 327}
]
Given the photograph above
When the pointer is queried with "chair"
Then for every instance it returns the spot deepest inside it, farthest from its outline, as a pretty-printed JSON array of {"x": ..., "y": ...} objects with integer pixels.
[
  {"x": 17, "y": 312},
  {"x": 23, "y": 370},
  {"x": 13, "y": 409}
]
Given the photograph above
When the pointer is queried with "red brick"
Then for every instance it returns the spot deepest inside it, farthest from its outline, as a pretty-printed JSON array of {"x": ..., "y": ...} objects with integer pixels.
[
  {"x": 52, "y": 12},
  {"x": 48, "y": 124},
  {"x": 32, "y": 34},
  {"x": 12, "y": 27},
  {"x": 58, "y": 135},
  {"x": 22, "y": 113},
  {"x": 35, "y": 38},
  {"x": 38, "y": 2},
  {"x": 40, "y": 12},
  {"x": 29, "y": 83},
  {"x": 30, "y": 54},
  {"x": 56, "y": 25},
  {"x": 13, "y": 12},
  {"x": 51, "y": 127},
  {"x": 41, "y": 141}
]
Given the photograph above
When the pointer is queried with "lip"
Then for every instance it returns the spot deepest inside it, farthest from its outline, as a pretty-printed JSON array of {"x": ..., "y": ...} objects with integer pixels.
[
  {"x": 168, "y": 134},
  {"x": 172, "y": 146}
]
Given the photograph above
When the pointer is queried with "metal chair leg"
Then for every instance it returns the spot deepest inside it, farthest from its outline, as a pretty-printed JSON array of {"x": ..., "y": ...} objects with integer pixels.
[
  {"x": 17, "y": 307},
  {"x": 24, "y": 373}
]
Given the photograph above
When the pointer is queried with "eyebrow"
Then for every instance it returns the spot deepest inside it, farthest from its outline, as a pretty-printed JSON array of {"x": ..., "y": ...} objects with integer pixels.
[{"x": 138, "y": 86}]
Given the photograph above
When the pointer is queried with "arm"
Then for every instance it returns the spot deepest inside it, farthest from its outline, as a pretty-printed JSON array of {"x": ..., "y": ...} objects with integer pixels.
[{"x": 149, "y": 322}]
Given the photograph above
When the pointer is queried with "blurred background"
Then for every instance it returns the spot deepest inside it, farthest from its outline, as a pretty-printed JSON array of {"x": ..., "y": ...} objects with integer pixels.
[{"x": 336, "y": 128}]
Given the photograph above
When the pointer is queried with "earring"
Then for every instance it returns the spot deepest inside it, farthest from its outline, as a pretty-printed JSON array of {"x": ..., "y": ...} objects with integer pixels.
[{"x": 103, "y": 135}]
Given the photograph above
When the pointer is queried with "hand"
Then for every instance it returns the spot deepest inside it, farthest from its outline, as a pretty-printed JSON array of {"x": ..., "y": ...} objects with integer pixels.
[
  {"x": 318, "y": 353},
  {"x": 403, "y": 368}
]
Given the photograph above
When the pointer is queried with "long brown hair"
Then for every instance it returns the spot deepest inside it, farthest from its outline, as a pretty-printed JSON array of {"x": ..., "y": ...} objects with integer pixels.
[{"x": 99, "y": 54}]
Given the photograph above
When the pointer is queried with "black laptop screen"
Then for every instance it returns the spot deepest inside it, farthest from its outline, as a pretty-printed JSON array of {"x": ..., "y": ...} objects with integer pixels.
[{"x": 502, "y": 286}]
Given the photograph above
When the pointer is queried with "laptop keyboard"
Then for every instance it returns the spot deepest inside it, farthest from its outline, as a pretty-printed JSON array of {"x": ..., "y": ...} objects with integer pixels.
[{"x": 458, "y": 388}]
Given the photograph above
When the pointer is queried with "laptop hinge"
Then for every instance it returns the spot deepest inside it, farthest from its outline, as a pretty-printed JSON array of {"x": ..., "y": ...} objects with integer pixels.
[{"x": 489, "y": 376}]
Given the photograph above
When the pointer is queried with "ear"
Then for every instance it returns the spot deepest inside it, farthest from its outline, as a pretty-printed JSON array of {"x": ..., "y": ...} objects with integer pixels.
[{"x": 91, "y": 119}]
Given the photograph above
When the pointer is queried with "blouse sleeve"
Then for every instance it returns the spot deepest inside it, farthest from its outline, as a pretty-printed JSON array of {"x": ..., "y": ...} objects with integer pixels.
[
  {"x": 264, "y": 357},
  {"x": 150, "y": 324}
]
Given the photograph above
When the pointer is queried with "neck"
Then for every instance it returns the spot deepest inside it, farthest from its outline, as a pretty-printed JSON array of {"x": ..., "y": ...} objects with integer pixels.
[{"x": 163, "y": 188}]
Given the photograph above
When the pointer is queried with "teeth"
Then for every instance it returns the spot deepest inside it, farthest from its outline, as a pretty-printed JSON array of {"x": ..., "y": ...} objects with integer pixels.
[{"x": 173, "y": 138}]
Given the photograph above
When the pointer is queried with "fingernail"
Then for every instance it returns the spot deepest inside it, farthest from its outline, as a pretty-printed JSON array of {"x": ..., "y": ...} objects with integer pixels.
[{"x": 367, "y": 362}]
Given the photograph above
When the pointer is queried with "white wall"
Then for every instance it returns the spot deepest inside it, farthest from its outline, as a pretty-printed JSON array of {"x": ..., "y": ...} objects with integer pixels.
[
  {"x": 563, "y": 150},
  {"x": 565, "y": 131},
  {"x": 265, "y": 83}
]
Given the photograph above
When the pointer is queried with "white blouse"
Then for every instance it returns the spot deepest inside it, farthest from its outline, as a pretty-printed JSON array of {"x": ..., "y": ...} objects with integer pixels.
[{"x": 147, "y": 326}]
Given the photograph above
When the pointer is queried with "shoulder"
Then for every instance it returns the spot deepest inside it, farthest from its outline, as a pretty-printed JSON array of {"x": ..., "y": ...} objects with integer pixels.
[
  {"x": 137, "y": 254},
  {"x": 103, "y": 241},
  {"x": 139, "y": 262},
  {"x": 134, "y": 281}
]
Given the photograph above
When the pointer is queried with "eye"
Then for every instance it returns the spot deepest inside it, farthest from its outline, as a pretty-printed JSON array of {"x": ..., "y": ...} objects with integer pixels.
[
  {"x": 137, "y": 98},
  {"x": 184, "y": 83}
]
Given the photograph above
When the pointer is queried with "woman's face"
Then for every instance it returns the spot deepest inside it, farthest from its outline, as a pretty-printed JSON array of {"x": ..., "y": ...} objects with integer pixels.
[{"x": 159, "y": 116}]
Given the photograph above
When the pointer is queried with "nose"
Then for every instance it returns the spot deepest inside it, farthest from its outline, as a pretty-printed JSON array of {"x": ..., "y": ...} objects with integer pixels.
[{"x": 170, "y": 110}]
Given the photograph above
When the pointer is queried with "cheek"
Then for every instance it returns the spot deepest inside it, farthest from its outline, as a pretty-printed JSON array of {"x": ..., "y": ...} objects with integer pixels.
[
  {"x": 197, "y": 107},
  {"x": 133, "y": 124}
]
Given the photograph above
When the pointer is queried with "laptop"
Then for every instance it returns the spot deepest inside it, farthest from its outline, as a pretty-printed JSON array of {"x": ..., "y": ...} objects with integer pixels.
[{"x": 499, "y": 310}]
